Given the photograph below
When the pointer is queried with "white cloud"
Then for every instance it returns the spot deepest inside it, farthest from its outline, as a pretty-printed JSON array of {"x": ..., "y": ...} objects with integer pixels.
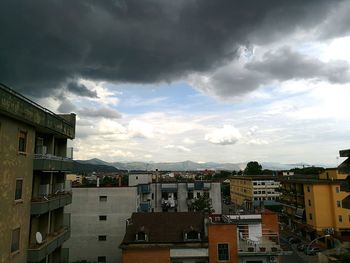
[
  {"x": 257, "y": 142},
  {"x": 177, "y": 147},
  {"x": 189, "y": 141},
  {"x": 141, "y": 129},
  {"x": 224, "y": 136}
]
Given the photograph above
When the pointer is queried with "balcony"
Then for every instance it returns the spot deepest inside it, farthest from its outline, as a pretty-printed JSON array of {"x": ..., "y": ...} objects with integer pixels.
[
  {"x": 49, "y": 162},
  {"x": 263, "y": 246},
  {"x": 37, "y": 252},
  {"x": 41, "y": 205},
  {"x": 19, "y": 107},
  {"x": 169, "y": 188},
  {"x": 144, "y": 207},
  {"x": 144, "y": 189}
]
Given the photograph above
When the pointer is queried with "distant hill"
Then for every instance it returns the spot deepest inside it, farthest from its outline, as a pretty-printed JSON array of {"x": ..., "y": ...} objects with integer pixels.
[
  {"x": 86, "y": 167},
  {"x": 184, "y": 166}
]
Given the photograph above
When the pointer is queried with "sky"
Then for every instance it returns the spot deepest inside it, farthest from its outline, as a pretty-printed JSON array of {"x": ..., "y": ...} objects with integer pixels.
[{"x": 207, "y": 81}]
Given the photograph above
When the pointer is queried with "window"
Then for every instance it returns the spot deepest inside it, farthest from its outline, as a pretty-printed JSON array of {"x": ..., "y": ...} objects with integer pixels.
[
  {"x": 152, "y": 196},
  {"x": 309, "y": 202},
  {"x": 192, "y": 235},
  {"x": 15, "y": 240},
  {"x": 198, "y": 194},
  {"x": 18, "y": 192},
  {"x": 310, "y": 216},
  {"x": 308, "y": 188},
  {"x": 206, "y": 194},
  {"x": 349, "y": 218},
  {"x": 103, "y": 218},
  {"x": 22, "y": 141},
  {"x": 103, "y": 198},
  {"x": 340, "y": 218},
  {"x": 223, "y": 254},
  {"x": 337, "y": 189},
  {"x": 102, "y": 238},
  {"x": 141, "y": 236},
  {"x": 101, "y": 259},
  {"x": 137, "y": 177},
  {"x": 190, "y": 195},
  {"x": 338, "y": 204}
]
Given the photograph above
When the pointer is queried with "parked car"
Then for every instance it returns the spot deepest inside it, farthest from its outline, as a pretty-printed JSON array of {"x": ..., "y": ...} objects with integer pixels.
[
  {"x": 301, "y": 247},
  {"x": 312, "y": 250}
]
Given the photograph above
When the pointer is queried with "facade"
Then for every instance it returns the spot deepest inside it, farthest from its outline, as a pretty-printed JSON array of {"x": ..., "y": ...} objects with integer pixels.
[
  {"x": 314, "y": 206},
  {"x": 194, "y": 237},
  {"x": 33, "y": 147},
  {"x": 98, "y": 216},
  {"x": 177, "y": 196},
  {"x": 251, "y": 191}
]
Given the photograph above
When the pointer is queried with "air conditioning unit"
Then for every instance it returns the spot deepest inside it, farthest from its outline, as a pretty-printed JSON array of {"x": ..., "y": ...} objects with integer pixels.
[{"x": 273, "y": 259}]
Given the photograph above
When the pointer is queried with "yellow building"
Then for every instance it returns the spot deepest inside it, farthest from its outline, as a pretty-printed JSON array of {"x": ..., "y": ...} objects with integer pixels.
[
  {"x": 250, "y": 191},
  {"x": 75, "y": 178},
  {"x": 314, "y": 204}
]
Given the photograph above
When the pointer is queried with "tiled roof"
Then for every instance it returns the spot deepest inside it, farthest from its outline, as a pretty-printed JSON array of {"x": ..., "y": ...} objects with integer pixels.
[{"x": 163, "y": 227}]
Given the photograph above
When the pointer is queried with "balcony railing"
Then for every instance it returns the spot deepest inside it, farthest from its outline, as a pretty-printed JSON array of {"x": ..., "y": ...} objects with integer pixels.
[
  {"x": 169, "y": 187},
  {"x": 37, "y": 252},
  {"x": 144, "y": 207},
  {"x": 144, "y": 189},
  {"x": 48, "y": 162},
  {"x": 41, "y": 205}
]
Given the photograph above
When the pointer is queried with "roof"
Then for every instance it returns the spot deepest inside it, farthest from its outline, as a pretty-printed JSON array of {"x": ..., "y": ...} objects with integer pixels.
[
  {"x": 163, "y": 227},
  {"x": 255, "y": 177},
  {"x": 15, "y": 105},
  {"x": 291, "y": 179}
]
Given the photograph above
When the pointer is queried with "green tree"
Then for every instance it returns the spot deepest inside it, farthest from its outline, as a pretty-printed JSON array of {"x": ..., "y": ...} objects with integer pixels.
[
  {"x": 225, "y": 189},
  {"x": 203, "y": 204},
  {"x": 253, "y": 168}
]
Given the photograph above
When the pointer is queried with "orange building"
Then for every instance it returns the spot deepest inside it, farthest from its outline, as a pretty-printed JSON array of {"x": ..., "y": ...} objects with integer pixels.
[
  {"x": 222, "y": 241},
  {"x": 194, "y": 237}
]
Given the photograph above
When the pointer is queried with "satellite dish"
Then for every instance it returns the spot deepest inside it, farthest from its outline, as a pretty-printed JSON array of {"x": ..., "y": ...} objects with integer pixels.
[{"x": 38, "y": 237}]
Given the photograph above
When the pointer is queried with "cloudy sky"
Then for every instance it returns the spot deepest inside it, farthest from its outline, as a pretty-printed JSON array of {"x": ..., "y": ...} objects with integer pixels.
[{"x": 200, "y": 80}]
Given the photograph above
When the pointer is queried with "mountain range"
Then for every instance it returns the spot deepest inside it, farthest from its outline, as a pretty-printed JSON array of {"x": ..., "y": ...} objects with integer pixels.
[{"x": 187, "y": 165}]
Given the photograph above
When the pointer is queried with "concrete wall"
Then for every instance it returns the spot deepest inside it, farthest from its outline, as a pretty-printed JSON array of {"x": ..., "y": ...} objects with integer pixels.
[
  {"x": 14, "y": 165},
  {"x": 86, "y": 226},
  {"x": 135, "y": 179}
]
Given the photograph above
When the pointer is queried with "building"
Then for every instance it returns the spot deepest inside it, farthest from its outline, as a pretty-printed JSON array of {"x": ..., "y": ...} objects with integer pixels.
[
  {"x": 253, "y": 191},
  {"x": 193, "y": 237},
  {"x": 98, "y": 217},
  {"x": 33, "y": 148},
  {"x": 75, "y": 178},
  {"x": 174, "y": 196},
  {"x": 316, "y": 205}
]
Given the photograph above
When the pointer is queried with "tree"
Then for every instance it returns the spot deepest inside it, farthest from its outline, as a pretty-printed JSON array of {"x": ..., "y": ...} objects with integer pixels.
[
  {"x": 203, "y": 204},
  {"x": 253, "y": 168}
]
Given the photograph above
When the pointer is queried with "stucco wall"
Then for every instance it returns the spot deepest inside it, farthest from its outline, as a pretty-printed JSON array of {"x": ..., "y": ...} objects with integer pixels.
[
  {"x": 86, "y": 226},
  {"x": 14, "y": 165}
]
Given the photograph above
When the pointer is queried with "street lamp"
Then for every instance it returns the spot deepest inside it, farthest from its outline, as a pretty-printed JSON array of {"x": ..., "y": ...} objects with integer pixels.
[{"x": 308, "y": 246}]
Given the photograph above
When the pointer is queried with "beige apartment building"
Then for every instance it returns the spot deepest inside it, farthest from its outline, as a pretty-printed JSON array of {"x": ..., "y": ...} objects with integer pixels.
[{"x": 33, "y": 190}]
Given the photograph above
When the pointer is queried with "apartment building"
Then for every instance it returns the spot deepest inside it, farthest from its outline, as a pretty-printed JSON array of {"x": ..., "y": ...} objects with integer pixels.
[
  {"x": 193, "y": 237},
  {"x": 33, "y": 149},
  {"x": 253, "y": 191},
  {"x": 173, "y": 196},
  {"x": 316, "y": 205},
  {"x": 98, "y": 217}
]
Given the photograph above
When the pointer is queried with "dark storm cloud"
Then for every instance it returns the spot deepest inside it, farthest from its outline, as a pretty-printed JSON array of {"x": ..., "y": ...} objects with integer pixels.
[
  {"x": 46, "y": 43},
  {"x": 285, "y": 64},
  {"x": 107, "y": 113},
  {"x": 80, "y": 90},
  {"x": 277, "y": 66}
]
